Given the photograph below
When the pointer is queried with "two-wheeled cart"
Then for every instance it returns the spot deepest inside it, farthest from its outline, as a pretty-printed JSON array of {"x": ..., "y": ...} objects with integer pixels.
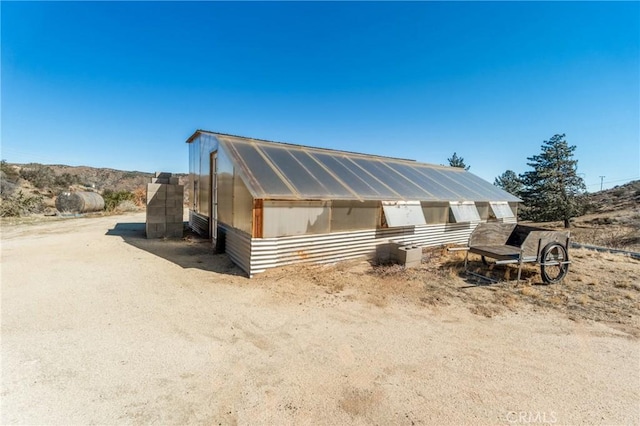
[{"x": 511, "y": 243}]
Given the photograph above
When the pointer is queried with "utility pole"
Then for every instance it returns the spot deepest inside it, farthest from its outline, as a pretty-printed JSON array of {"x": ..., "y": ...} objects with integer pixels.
[{"x": 601, "y": 179}]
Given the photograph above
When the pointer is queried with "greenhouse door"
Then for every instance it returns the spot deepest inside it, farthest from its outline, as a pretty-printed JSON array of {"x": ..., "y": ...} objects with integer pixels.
[{"x": 213, "y": 211}]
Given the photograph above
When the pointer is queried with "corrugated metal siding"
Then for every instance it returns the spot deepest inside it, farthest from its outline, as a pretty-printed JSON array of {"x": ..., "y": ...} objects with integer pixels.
[
  {"x": 238, "y": 247},
  {"x": 324, "y": 248},
  {"x": 199, "y": 224}
]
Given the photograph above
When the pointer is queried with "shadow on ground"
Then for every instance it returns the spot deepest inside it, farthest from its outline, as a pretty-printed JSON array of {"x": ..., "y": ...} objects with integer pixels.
[{"x": 191, "y": 251}]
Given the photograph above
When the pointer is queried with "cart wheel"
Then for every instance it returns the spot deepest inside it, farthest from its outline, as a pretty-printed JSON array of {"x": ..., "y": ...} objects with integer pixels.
[{"x": 552, "y": 268}]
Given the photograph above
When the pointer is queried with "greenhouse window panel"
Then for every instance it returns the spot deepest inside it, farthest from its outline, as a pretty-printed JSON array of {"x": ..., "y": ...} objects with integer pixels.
[
  {"x": 501, "y": 210},
  {"x": 403, "y": 213},
  {"x": 464, "y": 212}
]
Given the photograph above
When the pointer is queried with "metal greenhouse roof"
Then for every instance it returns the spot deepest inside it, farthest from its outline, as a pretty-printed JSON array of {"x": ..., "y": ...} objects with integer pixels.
[{"x": 273, "y": 170}]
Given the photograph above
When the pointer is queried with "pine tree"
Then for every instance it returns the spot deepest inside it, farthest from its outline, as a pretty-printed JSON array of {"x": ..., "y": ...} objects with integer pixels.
[
  {"x": 456, "y": 161},
  {"x": 552, "y": 189},
  {"x": 510, "y": 182}
]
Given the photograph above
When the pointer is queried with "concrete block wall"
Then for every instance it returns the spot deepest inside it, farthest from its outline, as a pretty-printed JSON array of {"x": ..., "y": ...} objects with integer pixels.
[{"x": 164, "y": 207}]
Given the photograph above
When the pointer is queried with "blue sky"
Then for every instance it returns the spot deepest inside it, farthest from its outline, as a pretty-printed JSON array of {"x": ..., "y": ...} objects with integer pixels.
[{"x": 124, "y": 84}]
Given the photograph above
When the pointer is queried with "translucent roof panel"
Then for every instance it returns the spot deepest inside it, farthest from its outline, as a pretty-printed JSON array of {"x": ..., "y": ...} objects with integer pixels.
[
  {"x": 489, "y": 192},
  {"x": 303, "y": 181},
  {"x": 273, "y": 170},
  {"x": 403, "y": 186},
  {"x": 376, "y": 181},
  {"x": 329, "y": 181},
  {"x": 347, "y": 176},
  {"x": 263, "y": 180},
  {"x": 435, "y": 190},
  {"x": 451, "y": 180}
]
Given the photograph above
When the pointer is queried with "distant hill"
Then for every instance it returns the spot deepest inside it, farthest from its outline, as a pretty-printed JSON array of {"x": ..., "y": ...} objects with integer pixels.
[
  {"x": 621, "y": 197},
  {"x": 92, "y": 177},
  {"x": 32, "y": 188},
  {"x": 613, "y": 219}
]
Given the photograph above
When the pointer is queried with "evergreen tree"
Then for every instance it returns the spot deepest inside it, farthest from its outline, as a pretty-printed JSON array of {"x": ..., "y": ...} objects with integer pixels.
[
  {"x": 510, "y": 182},
  {"x": 552, "y": 189},
  {"x": 456, "y": 161}
]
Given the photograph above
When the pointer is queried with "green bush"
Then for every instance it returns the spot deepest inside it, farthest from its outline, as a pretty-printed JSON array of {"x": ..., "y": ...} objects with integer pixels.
[{"x": 113, "y": 198}]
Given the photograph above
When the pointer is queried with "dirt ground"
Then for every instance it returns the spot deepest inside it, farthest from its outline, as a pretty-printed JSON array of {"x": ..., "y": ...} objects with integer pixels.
[{"x": 101, "y": 326}]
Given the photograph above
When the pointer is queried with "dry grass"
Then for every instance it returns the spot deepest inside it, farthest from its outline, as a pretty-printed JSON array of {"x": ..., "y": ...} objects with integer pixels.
[
  {"x": 619, "y": 229},
  {"x": 600, "y": 287},
  {"x": 140, "y": 196},
  {"x": 126, "y": 206}
]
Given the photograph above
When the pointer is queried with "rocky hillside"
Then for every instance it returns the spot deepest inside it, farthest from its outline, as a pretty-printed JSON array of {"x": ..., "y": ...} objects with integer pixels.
[
  {"x": 32, "y": 188},
  {"x": 615, "y": 199},
  {"x": 104, "y": 178},
  {"x": 613, "y": 219}
]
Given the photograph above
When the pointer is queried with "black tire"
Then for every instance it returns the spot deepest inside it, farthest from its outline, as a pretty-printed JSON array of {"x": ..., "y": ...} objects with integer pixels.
[{"x": 552, "y": 266}]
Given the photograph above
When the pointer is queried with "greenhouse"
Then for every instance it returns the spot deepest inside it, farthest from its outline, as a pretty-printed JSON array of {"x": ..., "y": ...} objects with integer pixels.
[{"x": 269, "y": 204}]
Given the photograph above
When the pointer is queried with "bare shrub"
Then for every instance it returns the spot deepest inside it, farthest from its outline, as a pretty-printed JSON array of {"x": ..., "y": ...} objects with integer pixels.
[
  {"x": 20, "y": 205},
  {"x": 126, "y": 206},
  {"x": 617, "y": 237},
  {"x": 140, "y": 196},
  {"x": 40, "y": 176},
  {"x": 7, "y": 188},
  {"x": 9, "y": 172}
]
